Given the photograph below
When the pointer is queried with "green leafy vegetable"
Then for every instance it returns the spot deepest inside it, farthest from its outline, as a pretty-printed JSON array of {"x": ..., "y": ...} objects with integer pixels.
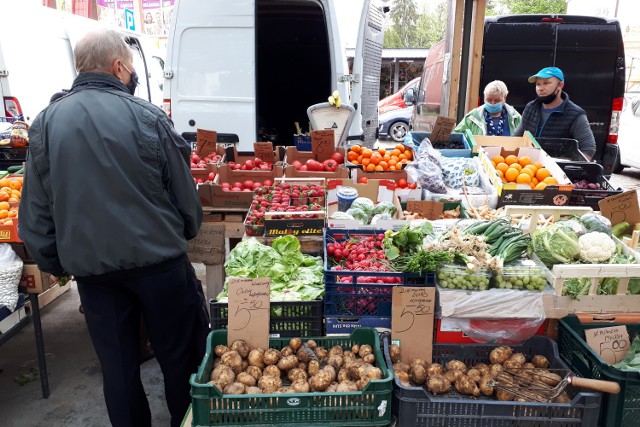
[
  {"x": 556, "y": 244},
  {"x": 632, "y": 360}
]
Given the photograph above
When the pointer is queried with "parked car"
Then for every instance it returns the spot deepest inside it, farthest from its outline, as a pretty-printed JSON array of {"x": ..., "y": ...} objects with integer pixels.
[
  {"x": 396, "y": 100},
  {"x": 394, "y": 124}
]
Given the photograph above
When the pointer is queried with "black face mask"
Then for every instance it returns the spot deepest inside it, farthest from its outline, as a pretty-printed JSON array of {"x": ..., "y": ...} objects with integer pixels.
[
  {"x": 133, "y": 81},
  {"x": 549, "y": 98}
]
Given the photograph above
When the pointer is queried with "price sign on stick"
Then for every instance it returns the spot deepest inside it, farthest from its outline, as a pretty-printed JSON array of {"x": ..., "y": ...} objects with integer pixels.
[
  {"x": 412, "y": 321},
  {"x": 206, "y": 141},
  {"x": 612, "y": 343},
  {"x": 264, "y": 150},
  {"x": 249, "y": 311},
  {"x": 323, "y": 144},
  {"x": 621, "y": 207},
  {"x": 442, "y": 129}
]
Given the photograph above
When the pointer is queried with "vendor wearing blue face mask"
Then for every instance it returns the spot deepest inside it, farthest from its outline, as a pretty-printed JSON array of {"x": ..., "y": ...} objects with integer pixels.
[
  {"x": 553, "y": 115},
  {"x": 495, "y": 117}
]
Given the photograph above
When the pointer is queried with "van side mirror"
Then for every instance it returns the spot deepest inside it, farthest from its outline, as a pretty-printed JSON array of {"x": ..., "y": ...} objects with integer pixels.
[{"x": 410, "y": 97}]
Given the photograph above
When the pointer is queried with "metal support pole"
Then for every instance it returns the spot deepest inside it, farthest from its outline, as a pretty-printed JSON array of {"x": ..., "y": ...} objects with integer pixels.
[
  {"x": 42, "y": 361},
  {"x": 464, "y": 59}
]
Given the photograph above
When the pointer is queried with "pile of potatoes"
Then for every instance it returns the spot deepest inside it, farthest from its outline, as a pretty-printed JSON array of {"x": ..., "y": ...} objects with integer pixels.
[
  {"x": 506, "y": 373},
  {"x": 300, "y": 367}
]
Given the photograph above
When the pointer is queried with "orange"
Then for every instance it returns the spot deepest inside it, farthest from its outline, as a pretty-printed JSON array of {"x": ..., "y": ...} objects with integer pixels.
[
  {"x": 528, "y": 172},
  {"x": 500, "y": 174},
  {"x": 396, "y": 152},
  {"x": 511, "y": 174},
  {"x": 384, "y": 165},
  {"x": 392, "y": 167},
  {"x": 408, "y": 154},
  {"x": 13, "y": 213},
  {"x": 366, "y": 153},
  {"x": 400, "y": 147},
  {"x": 4, "y": 213},
  {"x": 534, "y": 181},
  {"x": 5, "y": 205},
  {"x": 532, "y": 167},
  {"x": 493, "y": 163},
  {"x": 524, "y": 161},
  {"x": 393, "y": 161},
  {"x": 523, "y": 178},
  {"x": 538, "y": 165},
  {"x": 356, "y": 148},
  {"x": 16, "y": 185},
  {"x": 516, "y": 166},
  {"x": 379, "y": 168},
  {"x": 542, "y": 174},
  {"x": 371, "y": 167},
  {"x": 352, "y": 155},
  {"x": 382, "y": 151},
  {"x": 540, "y": 186},
  {"x": 502, "y": 167},
  {"x": 386, "y": 158},
  {"x": 365, "y": 162},
  {"x": 498, "y": 159},
  {"x": 376, "y": 158},
  {"x": 550, "y": 180},
  {"x": 511, "y": 159}
]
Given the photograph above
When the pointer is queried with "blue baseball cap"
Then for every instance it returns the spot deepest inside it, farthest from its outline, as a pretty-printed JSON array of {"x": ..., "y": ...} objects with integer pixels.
[{"x": 547, "y": 72}]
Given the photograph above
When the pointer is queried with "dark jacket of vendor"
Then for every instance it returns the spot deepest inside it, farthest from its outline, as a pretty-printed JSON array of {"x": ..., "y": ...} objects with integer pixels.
[{"x": 158, "y": 210}]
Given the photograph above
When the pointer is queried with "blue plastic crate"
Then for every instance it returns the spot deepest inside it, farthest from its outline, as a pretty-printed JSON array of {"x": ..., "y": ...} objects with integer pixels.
[
  {"x": 415, "y": 138},
  {"x": 362, "y": 294},
  {"x": 302, "y": 142}
]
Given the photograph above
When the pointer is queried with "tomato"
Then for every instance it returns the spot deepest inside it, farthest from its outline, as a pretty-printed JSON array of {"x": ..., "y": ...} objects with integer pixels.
[
  {"x": 338, "y": 157},
  {"x": 297, "y": 164},
  {"x": 268, "y": 182},
  {"x": 211, "y": 176},
  {"x": 314, "y": 165},
  {"x": 249, "y": 164},
  {"x": 363, "y": 180},
  {"x": 248, "y": 184},
  {"x": 257, "y": 161},
  {"x": 195, "y": 158},
  {"x": 402, "y": 183},
  {"x": 330, "y": 165}
]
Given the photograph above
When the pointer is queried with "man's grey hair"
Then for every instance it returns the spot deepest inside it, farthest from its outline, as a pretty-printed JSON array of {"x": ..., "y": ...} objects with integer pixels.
[
  {"x": 496, "y": 86},
  {"x": 97, "y": 50}
]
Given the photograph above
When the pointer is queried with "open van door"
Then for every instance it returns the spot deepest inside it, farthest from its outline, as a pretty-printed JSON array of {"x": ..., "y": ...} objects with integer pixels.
[{"x": 365, "y": 81}]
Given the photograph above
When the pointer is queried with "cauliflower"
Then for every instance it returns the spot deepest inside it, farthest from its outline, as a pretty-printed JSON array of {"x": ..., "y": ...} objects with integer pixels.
[{"x": 596, "y": 247}]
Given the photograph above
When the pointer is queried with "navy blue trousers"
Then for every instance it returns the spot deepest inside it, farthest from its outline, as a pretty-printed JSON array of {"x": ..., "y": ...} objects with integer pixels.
[{"x": 172, "y": 304}]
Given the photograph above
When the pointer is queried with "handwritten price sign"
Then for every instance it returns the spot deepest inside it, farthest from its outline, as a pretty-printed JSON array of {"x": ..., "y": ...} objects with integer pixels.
[
  {"x": 249, "y": 311},
  {"x": 412, "y": 321}
]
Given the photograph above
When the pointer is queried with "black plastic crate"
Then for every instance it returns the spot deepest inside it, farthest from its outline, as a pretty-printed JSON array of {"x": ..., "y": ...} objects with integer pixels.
[
  {"x": 562, "y": 149},
  {"x": 618, "y": 410},
  {"x": 417, "y": 407},
  {"x": 594, "y": 173},
  {"x": 288, "y": 318}
]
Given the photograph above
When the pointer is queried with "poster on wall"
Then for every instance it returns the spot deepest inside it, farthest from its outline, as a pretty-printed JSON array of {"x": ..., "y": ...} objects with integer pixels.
[{"x": 156, "y": 14}]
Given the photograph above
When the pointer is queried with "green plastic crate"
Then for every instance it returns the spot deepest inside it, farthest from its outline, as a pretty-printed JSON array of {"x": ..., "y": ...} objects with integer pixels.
[
  {"x": 370, "y": 407},
  {"x": 618, "y": 410}
]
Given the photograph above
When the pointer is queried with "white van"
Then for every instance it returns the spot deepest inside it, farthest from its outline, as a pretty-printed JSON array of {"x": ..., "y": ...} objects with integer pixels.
[
  {"x": 251, "y": 68},
  {"x": 36, "y": 57}
]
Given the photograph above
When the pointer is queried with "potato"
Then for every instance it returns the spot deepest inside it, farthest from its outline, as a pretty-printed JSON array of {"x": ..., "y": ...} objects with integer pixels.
[
  {"x": 241, "y": 347},
  {"x": 347, "y": 386},
  {"x": 358, "y": 369},
  {"x": 343, "y": 375},
  {"x": 283, "y": 390},
  {"x": 253, "y": 390},
  {"x": 336, "y": 350},
  {"x": 452, "y": 376},
  {"x": 530, "y": 366},
  {"x": 312, "y": 343},
  {"x": 223, "y": 375},
  {"x": 335, "y": 361},
  {"x": 255, "y": 358},
  {"x": 504, "y": 395},
  {"x": 474, "y": 374},
  {"x": 467, "y": 386},
  {"x": 512, "y": 366},
  {"x": 271, "y": 357},
  {"x": 321, "y": 352},
  {"x": 254, "y": 371},
  {"x": 246, "y": 379},
  {"x": 333, "y": 373},
  {"x": 456, "y": 365},
  {"x": 220, "y": 349},
  {"x": 303, "y": 366},
  {"x": 438, "y": 384},
  {"x": 434, "y": 369},
  {"x": 306, "y": 354},
  {"x": 418, "y": 374},
  {"x": 295, "y": 344},
  {"x": 563, "y": 398},
  {"x": 320, "y": 381},
  {"x": 299, "y": 386},
  {"x": 482, "y": 367},
  {"x": 332, "y": 388},
  {"x": 394, "y": 353},
  {"x": 235, "y": 388},
  {"x": 400, "y": 366},
  {"x": 374, "y": 373},
  {"x": 540, "y": 361},
  {"x": 485, "y": 385},
  {"x": 313, "y": 367},
  {"x": 286, "y": 351},
  {"x": 355, "y": 349},
  {"x": 217, "y": 362},
  {"x": 369, "y": 358},
  {"x": 271, "y": 371},
  {"x": 287, "y": 363},
  {"x": 403, "y": 377},
  {"x": 364, "y": 350},
  {"x": 500, "y": 354},
  {"x": 495, "y": 369},
  {"x": 245, "y": 365},
  {"x": 233, "y": 360},
  {"x": 504, "y": 379},
  {"x": 362, "y": 383},
  {"x": 296, "y": 374},
  {"x": 419, "y": 362},
  {"x": 269, "y": 384},
  {"x": 519, "y": 357},
  {"x": 348, "y": 358},
  {"x": 548, "y": 378}
]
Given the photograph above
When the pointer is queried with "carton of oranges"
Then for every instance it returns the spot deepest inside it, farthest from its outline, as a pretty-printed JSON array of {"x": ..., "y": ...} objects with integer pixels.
[
  {"x": 379, "y": 159},
  {"x": 10, "y": 193},
  {"x": 522, "y": 170}
]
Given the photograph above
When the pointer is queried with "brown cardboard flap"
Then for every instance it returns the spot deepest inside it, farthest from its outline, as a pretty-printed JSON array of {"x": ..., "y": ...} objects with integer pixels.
[
  {"x": 206, "y": 141},
  {"x": 427, "y": 208},
  {"x": 323, "y": 144},
  {"x": 264, "y": 151},
  {"x": 621, "y": 207},
  {"x": 412, "y": 313},
  {"x": 442, "y": 129},
  {"x": 208, "y": 246},
  {"x": 612, "y": 343},
  {"x": 249, "y": 311}
]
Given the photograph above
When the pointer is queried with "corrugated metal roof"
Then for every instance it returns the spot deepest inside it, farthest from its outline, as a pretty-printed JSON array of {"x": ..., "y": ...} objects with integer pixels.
[{"x": 408, "y": 53}]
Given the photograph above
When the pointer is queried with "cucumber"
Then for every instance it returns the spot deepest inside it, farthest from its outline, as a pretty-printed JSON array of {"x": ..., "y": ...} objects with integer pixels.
[{"x": 14, "y": 169}]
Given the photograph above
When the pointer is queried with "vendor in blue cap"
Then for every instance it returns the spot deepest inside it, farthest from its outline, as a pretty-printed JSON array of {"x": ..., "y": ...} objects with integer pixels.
[{"x": 553, "y": 115}]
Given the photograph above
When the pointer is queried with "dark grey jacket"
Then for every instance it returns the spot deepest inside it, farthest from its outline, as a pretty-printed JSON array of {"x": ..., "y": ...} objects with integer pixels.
[{"x": 107, "y": 184}]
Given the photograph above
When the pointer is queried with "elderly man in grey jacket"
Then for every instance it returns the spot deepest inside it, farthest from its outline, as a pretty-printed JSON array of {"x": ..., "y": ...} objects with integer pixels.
[{"x": 108, "y": 198}]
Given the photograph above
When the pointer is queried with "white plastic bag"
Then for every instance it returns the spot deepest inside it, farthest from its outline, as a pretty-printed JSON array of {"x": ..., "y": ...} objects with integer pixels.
[{"x": 10, "y": 273}]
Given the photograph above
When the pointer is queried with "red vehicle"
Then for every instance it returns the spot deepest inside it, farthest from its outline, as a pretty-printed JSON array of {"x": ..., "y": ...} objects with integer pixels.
[{"x": 396, "y": 100}]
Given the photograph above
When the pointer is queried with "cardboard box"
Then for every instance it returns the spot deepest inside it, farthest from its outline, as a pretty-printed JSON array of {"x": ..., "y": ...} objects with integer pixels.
[
  {"x": 377, "y": 191},
  {"x": 34, "y": 280},
  {"x": 521, "y": 194},
  {"x": 9, "y": 232},
  {"x": 404, "y": 194},
  {"x": 386, "y": 146},
  {"x": 509, "y": 143},
  {"x": 203, "y": 173},
  {"x": 292, "y": 154},
  {"x": 416, "y": 138},
  {"x": 212, "y": 194},
  {"x": 263, "y": 150}
]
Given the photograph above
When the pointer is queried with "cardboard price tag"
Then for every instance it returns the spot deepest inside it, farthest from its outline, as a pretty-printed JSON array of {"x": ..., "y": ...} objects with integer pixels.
[
  {"x": 249, "y": 311},
  {"x": 412, "y": 312},
  {"x": 208, "y": 246},
  {"x": 612, "y": 343},
  {"x": 323, "y": 144},
  {"x": 442, "y": 129},
  {"x": 264, "y": 151},
  {"x": 206, "y": 141},
  {"x": 429, "y": 209},
  {"x": 621, "y": 207}
]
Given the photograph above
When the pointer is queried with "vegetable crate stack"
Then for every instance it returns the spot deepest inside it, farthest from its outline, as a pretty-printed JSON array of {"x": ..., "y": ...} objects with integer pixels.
[{"x": 328, "y": 381}]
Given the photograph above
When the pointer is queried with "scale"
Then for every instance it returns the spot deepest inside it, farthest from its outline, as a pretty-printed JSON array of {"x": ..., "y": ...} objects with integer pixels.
[{"x": 325, "y": 116}]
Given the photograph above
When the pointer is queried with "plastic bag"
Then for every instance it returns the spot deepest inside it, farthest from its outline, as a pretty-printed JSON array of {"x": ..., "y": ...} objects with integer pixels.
[
  {"x": 495, "y": 331},
  {"x": 10, "y": 273},
  {"x": 428, "y": 175},
  {"x": 459, "y": 170},
  {"x": 426, "y": 151}
]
